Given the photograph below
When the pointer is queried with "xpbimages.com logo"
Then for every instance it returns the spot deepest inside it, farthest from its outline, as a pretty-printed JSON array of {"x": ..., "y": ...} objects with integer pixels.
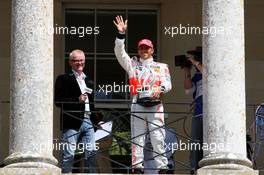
[
  {"x": 117, "y": 88},
  {"x": 183, "y": 146},
  {"x": 195, "y": 30},
  {"x": 80, "y": 31},
  {"x": 59, "y": 145}
]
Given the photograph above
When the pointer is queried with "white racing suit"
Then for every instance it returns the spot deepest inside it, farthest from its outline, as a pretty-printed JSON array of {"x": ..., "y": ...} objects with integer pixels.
[
  {"x": 153, "y": 75},
  {"x": 170, "y": 147}
]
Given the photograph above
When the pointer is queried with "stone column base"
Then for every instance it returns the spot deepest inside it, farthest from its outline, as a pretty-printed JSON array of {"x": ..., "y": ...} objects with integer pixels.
[
  {"x": 226, "y": 169},
  {"x": 31, "y": 171}
]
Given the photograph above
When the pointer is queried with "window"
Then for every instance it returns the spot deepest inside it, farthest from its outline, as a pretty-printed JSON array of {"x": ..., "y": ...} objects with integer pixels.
[{"x": 101, "y": 65}]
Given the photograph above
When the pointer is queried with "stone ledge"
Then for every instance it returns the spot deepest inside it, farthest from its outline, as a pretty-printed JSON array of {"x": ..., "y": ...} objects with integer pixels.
[
  {"x": 108, "y": 174},
  {"x": 226, "y": 172},
  {"x": 30, "y": 171}
]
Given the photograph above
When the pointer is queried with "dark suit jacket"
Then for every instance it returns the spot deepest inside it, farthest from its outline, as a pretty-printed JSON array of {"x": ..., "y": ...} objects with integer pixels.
[{"x": 67, "y": 92}]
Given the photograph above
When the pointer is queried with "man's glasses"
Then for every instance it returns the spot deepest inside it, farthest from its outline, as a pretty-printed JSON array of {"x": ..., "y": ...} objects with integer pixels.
[{"x": 77, "y": 61}]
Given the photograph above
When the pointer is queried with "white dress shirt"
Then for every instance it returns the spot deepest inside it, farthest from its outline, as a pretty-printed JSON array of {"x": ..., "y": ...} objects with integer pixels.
[{"x": 80, "y": 79}]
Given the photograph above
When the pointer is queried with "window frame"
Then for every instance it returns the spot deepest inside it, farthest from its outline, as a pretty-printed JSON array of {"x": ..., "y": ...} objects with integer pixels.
[{"x": 96, "y": 7}]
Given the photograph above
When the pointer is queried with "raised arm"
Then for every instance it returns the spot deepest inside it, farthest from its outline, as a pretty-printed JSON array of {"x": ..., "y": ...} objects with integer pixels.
[{"x": 121, "y": 55}]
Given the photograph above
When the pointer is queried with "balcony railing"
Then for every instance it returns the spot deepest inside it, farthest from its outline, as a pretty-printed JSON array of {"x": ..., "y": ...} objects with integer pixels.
[{"x": 117, "y": 151}]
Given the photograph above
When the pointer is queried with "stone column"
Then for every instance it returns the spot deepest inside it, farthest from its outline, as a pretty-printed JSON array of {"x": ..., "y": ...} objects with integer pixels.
[
  {"x": 31, "y": 112},
  {"x": 224, "y": 89}
]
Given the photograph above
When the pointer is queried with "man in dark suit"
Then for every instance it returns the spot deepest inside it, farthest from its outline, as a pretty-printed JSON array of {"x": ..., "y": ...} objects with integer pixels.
[{"x": 74, "y": 95}]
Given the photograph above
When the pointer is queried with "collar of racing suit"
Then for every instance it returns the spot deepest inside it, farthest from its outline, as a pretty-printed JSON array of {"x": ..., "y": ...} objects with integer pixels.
[{"x": 146, "y": 61}]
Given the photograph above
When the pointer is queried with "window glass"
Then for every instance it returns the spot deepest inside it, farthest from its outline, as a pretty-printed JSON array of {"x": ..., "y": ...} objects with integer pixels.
[
  {"x": 112, "y": 78},
  {"x": 105, "y": 41},
  {"x": 81, "y": 23}
]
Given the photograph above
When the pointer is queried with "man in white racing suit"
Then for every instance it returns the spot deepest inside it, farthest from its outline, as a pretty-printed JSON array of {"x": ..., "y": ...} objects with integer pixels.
[{"x": 149, "y": 80}]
